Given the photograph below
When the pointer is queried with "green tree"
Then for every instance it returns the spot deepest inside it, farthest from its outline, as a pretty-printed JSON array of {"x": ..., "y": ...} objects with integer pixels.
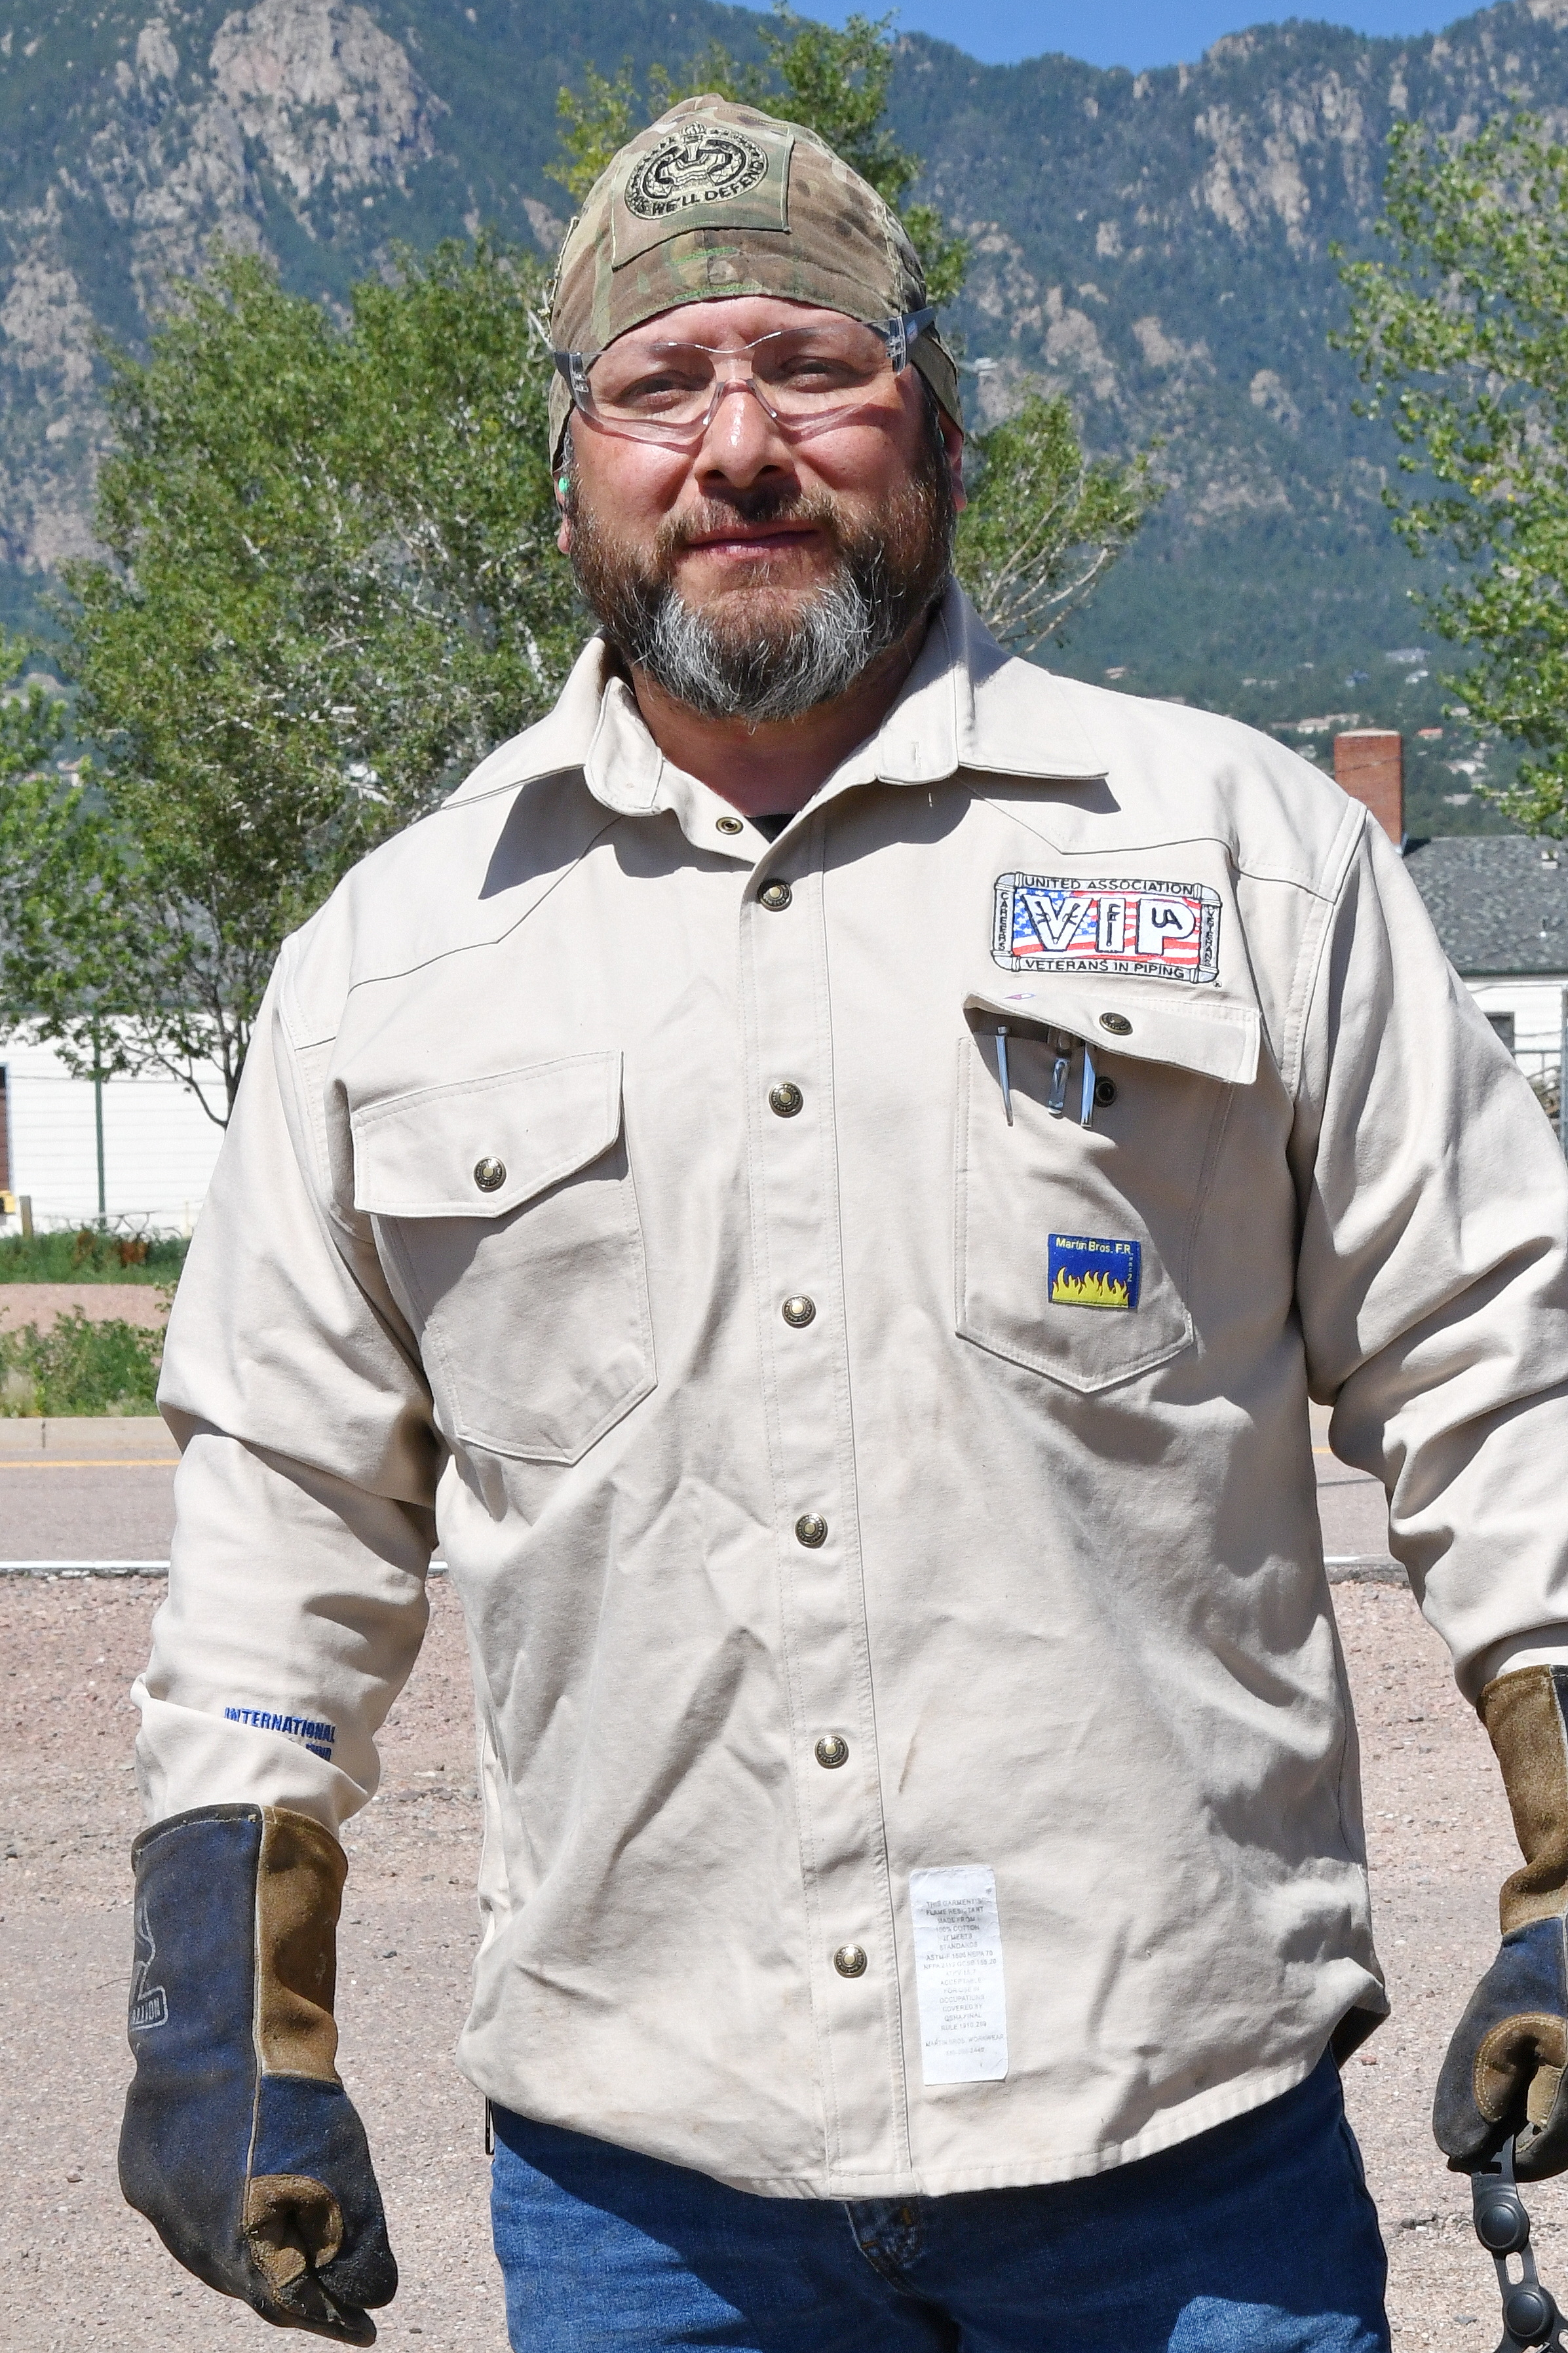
[
  {"x": 1462, "y": 336},
  {"x": 33, "y": 720},
  {"x": 332, "y": 586},
  {"x": 1044, "y": 521}
]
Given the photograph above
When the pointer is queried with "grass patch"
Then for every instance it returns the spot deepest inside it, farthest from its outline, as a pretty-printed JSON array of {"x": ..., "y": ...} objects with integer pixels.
[
  {"x": 80, "y": 1367},
  {"x": 89, "y": 1256}
]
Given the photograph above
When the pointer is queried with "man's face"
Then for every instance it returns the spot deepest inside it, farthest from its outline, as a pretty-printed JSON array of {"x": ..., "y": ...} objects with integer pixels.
[{"x": 758, "y": 574}]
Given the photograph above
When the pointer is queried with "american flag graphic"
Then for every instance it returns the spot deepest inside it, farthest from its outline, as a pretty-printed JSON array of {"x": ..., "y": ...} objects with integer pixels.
[{"x": 1107, "y": 923}]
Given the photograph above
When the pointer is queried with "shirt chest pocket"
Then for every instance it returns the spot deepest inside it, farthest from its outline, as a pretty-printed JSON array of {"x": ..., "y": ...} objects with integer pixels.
[
  {"x": 1074, "y": 1241},
  {"x": 505, "y": 1211}
]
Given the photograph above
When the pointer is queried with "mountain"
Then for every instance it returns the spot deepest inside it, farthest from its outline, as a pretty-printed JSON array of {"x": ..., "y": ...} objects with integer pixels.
[{"x": 1157, "y": 244}]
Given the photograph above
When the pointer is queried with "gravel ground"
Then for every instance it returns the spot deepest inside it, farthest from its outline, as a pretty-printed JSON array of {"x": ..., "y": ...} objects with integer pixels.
[{"x": 77, "y": 2268}]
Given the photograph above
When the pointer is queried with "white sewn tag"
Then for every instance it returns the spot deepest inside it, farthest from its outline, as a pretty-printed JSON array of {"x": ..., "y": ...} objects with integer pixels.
[{"x": 958, "y": 1973}]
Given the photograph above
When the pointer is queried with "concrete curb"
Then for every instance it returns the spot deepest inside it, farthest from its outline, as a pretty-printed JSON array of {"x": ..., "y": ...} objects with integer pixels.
[{"x": 1363, "y": 1568}]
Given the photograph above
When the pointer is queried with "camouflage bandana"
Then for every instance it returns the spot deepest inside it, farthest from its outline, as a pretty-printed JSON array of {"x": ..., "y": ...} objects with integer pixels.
[{"x": 715, "y": 199}]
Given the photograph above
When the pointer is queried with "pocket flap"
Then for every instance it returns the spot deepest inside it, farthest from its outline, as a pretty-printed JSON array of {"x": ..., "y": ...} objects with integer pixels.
[
  {"x": 1222, "y": 1041},
  {"x": 437, "y": 1153}
]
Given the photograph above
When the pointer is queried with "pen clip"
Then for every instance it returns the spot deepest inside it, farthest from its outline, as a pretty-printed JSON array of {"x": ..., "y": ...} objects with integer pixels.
[
  {"x": 1002, "y": 1070},
  {"x": 1057, "y": 1101}
]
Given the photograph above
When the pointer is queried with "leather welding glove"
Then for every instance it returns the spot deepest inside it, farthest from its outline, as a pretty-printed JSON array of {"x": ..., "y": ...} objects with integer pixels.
[
  {"x": 239, "y": 2143},
  {"x": 1504, "y": 2072}
]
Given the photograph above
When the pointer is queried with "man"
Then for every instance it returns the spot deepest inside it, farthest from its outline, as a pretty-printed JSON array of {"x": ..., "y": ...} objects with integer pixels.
[{"x": 825, "y": 1175}]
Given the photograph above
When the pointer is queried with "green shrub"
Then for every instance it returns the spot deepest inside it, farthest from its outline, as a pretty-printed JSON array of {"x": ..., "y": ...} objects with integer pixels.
[
  {"x": 89, "y": 1256},
  {"x": 80, "y": 1367}
]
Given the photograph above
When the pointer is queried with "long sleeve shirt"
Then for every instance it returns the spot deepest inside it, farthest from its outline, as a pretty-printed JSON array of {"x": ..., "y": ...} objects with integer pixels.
[{"x": 847, "y": 1308}]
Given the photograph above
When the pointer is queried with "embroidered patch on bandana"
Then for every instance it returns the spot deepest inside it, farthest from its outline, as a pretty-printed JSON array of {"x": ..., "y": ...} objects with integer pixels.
[
  {"x": 1085, "y": 1270},
  {"x": 703, "y": 163},
  {"x": 1056, "y": 922}
]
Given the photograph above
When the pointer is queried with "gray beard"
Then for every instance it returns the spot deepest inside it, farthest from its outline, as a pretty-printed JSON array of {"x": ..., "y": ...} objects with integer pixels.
[{"x": 829, "y": 646}]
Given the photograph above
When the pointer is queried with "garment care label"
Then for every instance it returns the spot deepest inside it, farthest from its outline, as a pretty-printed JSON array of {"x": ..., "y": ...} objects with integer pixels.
[{"x": 958, "y": 1973}]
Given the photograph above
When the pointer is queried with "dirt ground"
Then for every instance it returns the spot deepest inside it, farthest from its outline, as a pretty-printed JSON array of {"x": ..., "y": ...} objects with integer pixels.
[
  {"x": 44, "y": 1303},
  {"x": 77, "y": 2268}
]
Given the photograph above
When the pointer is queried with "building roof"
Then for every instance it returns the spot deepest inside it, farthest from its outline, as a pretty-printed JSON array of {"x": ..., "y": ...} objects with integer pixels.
[{"x": 1499, "y": 900}]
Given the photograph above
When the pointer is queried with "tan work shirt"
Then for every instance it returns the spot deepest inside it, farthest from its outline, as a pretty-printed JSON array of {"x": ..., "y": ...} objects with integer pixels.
[{"x": 875, "y": 1469}]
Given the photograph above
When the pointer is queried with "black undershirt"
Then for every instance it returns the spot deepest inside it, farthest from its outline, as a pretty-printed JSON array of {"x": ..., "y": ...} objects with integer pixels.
[{"x": 772, "y": 825}]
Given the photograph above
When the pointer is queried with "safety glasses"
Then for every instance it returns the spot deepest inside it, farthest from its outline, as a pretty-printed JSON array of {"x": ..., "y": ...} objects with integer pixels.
[{"x": 805, "y": 378}]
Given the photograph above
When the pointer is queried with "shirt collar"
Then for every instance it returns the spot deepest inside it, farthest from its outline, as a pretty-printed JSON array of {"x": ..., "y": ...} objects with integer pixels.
[{"x": 966, "y": 704}]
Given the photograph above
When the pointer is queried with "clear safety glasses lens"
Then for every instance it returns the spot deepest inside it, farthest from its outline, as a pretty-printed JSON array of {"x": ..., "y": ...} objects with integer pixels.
[{"x": 805, "y": 377}]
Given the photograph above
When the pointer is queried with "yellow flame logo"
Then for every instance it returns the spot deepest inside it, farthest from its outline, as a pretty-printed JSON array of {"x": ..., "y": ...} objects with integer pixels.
[{"x": 1089, "y": 1291}]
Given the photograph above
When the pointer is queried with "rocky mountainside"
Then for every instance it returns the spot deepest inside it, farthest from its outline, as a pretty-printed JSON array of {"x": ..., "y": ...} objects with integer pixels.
[{"x": 1158, "y": 244}]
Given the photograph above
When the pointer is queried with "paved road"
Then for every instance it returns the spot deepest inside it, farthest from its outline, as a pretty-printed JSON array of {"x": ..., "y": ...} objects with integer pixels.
[{"x": 98, "y": 1489}]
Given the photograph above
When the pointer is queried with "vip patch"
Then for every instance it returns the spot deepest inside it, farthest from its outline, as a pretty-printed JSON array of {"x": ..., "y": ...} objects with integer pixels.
[
  {"x": 1085, "y": 1270},
  {"x": 702, "y": 164},
  {"x": 1055, "y": 922}
]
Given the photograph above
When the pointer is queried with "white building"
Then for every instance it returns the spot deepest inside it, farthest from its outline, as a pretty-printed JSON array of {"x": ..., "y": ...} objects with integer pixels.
[{"x": 159, "y": 1147}]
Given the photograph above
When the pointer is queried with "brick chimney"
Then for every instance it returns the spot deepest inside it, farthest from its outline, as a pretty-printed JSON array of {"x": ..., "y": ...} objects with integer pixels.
[{"x": 1369, "y": 764}]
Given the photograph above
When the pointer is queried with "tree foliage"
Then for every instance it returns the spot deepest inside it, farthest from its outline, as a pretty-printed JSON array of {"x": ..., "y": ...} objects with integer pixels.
[
  {"x": 332, "y": 586},
  {"x": 1045, "y": 521},
  {"x": 1462, "y": 339},
  {"x": 32, "y": 719},
  {"x": 832, "y": 82}
]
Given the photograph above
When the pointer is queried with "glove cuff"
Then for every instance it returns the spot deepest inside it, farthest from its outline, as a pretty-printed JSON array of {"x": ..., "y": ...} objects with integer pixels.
[
  {"x": 1526, "y": 1717},
  {"x": 289, "y": 1873}
]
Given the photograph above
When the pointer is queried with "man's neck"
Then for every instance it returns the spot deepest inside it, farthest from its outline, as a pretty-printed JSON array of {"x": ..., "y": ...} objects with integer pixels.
[{"x": 767, "y": 770}]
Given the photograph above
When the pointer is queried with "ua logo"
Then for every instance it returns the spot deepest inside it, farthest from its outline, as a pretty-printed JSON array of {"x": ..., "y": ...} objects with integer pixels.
[{"x": 149, "y": 2004}]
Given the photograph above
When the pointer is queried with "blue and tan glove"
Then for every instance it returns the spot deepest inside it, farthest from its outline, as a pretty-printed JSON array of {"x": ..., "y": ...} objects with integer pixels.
[
  {"x": 1504, "y": 2072},
  {"x": 239, "y": 2143}
]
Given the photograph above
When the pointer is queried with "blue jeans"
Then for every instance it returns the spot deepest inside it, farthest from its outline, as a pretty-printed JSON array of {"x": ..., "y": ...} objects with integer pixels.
[{"x": 1258, "y": 2237}]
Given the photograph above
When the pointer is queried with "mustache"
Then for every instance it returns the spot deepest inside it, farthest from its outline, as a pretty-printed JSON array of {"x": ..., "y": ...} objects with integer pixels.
[{"x": 764, "y": 504}]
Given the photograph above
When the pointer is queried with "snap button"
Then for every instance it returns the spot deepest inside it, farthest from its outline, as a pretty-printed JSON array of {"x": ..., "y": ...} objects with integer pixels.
[
  {"x": 831, "y": 1751},
  {"x": 786, "y": 1098},
  {"x": 1116, "y": 1023},
  {"x": 811, "y": 1530},
  {"x": 490, "y": 1175},
  {"x": 849, "y": 1960},
  {"x": 729, "y": 825},
  {"x": 798, "y": 1311},
  {"x": 775, "y": 898}
]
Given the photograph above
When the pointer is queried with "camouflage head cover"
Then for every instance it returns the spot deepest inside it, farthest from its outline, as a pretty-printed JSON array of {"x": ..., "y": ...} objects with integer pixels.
[{"x": 716, "y": 199}]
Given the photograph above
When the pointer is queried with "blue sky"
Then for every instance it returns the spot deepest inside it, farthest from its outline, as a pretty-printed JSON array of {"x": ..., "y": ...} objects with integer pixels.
[{"x": 1135, "y": 33}]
